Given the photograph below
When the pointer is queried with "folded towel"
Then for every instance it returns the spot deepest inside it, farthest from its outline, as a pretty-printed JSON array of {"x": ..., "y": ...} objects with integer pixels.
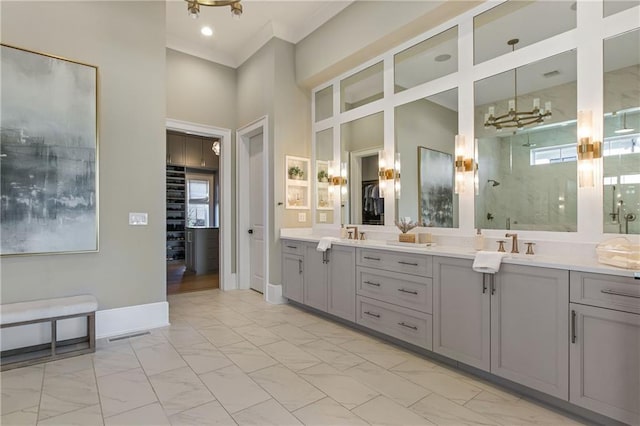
[
  {"x": 325, "y": 243},
  {"x": 487, "y": 261}
]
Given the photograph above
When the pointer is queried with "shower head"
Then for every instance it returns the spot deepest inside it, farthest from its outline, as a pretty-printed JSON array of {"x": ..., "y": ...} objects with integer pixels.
[{"x": 493, "y": 182}]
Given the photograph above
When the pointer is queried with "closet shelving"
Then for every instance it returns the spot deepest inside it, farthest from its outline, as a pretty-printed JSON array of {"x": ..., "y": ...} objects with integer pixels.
[{"x": 176, "y": 213}]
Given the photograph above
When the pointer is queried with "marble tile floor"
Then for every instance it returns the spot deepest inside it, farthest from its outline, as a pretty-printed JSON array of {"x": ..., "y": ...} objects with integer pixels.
[{"x": 230, "y": 358}]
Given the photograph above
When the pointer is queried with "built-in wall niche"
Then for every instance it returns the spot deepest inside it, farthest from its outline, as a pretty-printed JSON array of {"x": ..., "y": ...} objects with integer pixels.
[
  {"x": 528, "y": 21},
  {"x": 360, "y": 142},
  {"x": 425, "y": 141},
  {"x": 297, "y": 184},
  {"x": 428, "y": 60},
  {"x": 325, "y": 171},
  {"x": 621, "y": 144},
  {"x": 362, "y": 88},
  {"x": 527, "y": 176}
]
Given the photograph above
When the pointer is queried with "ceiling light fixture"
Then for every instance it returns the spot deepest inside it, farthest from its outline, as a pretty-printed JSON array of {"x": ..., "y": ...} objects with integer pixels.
[
  {"x": 193, "y": 6},
  {"x": 624, "y": 129},
  {"x": 206, "y": 31},
  {"x": 515, "y": 118}
]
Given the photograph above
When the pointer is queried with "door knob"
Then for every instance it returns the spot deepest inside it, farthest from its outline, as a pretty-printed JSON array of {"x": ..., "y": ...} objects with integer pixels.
[{"x": 250, "y": 231}]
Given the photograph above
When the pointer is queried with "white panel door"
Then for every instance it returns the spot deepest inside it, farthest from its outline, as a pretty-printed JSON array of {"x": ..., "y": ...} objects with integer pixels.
[{"x": 256, "y": 215}]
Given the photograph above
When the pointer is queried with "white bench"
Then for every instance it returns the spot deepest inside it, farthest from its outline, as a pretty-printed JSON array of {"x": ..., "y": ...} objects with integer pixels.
[{"x": 49, "y": 310}]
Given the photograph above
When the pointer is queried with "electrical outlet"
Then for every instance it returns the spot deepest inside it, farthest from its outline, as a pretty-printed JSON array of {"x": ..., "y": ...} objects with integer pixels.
[
  {"x": 323, "y": 217},
  {"x": 138, "y": 218},
  {"x": 302, "y": 217}
]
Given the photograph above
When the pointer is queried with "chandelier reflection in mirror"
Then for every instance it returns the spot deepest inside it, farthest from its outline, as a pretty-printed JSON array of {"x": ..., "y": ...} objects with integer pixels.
[
  {"x": 193, "y": 6},
  {"x": 514, "y": 117}
]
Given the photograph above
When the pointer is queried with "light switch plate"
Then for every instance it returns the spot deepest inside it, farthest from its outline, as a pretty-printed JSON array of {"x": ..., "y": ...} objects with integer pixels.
[
  {"x": 302, "y": 217},
  {"x": 322, "y": 218},
  {"x": 138, "y": 218}
]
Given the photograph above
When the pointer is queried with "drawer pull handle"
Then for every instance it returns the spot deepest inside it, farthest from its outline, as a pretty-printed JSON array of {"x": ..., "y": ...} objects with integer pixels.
[
  {"x": 292, "y": 247},
  {"x": 407, "y": 263},
  {"x": 413, "y": 327},
  {"x": 372, "y": 283},
  {"x": 619, "y": 293},
  {"x": 407, "y": 291},
  {"x": 372, "y": 258},
  {"x": 300, "y": 270},
  {"x": 573, "y": 326},
  {"x": 371, "y": 314}
]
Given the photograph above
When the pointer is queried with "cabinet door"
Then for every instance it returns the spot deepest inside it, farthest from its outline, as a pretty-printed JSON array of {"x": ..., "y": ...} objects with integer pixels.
[
  {"x": 529, "y": 328},
  {"x": 193, "y": 151},
  {"x": 342, "y": 282},
  {"x": 315, "y": 278},
  {"x": 292, "y": 277},
  {"x": 175, "y": 148},
  {"x": 209, "y": 159},
  {"x": 460, "y": 312},
  {"x": 605, "y": 362}
]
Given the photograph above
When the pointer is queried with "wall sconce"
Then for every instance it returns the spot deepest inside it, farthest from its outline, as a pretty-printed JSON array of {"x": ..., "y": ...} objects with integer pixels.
[
  {"x": 476, "y": 173},
  {"x": 397, "y": 186},
  {"x": 588, "y": 150},
  {"x": 343, "y": 180},
  {"x": 462, "y": 164},
  {"x": 386, "y": 173}
]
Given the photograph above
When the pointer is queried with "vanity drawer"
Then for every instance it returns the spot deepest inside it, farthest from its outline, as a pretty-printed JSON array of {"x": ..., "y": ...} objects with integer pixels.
[
  {"x": 404, "y": 324},
  {"x": 406, "y": 263},
  {"x": 293, "y": 247},
  {"x": 607, "y": 291},
  {"x": 408, "y": 291}
]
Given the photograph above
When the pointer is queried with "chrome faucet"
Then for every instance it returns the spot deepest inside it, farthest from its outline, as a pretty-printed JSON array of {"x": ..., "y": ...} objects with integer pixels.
[
  {"x": 355, "y": 232},
  {"x": 514, "y": 242}
]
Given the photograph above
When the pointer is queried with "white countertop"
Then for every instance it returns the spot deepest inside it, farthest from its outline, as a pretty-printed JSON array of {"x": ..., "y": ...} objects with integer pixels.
[{"x": 556, "y": 262}]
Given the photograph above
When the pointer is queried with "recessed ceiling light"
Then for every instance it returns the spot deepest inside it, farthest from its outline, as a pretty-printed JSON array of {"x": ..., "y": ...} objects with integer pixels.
[
  {"x": 442, "y": 58},
  {"x": 206, "y": 31}
]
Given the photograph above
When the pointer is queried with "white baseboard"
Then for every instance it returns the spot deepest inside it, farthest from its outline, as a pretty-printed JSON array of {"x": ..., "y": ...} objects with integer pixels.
[
  {"x": 130, "y": 319},
  {"x": 109, "y": 322}
]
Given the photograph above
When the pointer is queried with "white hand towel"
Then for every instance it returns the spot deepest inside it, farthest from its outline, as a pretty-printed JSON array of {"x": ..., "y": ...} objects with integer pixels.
[
  {"x": 325, "y": 243},
  {"x": 487, "y": 261}
]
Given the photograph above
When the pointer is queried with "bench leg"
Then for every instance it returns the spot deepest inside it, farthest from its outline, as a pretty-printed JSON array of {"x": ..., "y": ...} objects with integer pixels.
[
  {"x": 54, "y": 336},
  {"x": 91, "y": 330}
]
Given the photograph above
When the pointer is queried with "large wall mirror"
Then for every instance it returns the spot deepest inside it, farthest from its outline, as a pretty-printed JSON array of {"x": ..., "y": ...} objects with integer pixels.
[
  {"x": 621, "y": 147},
  {"x": 425, "y": 134},
  {"x": 527, "y": 176},
  {"x": 323, "y": 172},
  {"x": 362, "y": 87},
  {"x": 360, "y": 141}
]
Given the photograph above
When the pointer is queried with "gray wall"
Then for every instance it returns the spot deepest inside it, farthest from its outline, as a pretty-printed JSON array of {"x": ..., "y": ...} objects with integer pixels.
[
  {"x": 267, "y": 86},
  {"x": 126, "y": 41},
  {"x": 204, "y": 92}
]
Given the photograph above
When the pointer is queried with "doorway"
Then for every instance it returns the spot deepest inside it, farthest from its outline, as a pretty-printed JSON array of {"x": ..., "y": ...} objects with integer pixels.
[
  {"x": 207, "y": 209},
  {"x": 253, "y": 196}
]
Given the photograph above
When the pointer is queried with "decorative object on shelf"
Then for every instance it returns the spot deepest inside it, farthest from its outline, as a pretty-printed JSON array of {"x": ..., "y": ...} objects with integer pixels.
[
  {"x": 296, "y": 172},
  {"x": 48, "y": 154},
  {"x": 515, "y": 118},
  {"x": 216, "y": 147},
  {"x": 589, "y": 151},
  {"x": 193, "y": 7},
  {"x": 323, "y": 176},
  {"x": 405, "y": 225},
  {"x": 435, "y": 188}
]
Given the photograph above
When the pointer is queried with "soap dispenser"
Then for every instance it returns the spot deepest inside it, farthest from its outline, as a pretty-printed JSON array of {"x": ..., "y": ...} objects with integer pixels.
[{"x": 478, "y": 240}]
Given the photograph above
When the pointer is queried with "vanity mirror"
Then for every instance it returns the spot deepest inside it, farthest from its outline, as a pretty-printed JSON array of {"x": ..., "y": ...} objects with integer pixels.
[
  {"x": 527, "y": 175},
  {"x": 324, "y": 103},
  {"x": 323, "y": 187},
  {"x": 621, "y": 145},
  {"x": 425, "y": 139},
  {"x": 360, "y": 141}
]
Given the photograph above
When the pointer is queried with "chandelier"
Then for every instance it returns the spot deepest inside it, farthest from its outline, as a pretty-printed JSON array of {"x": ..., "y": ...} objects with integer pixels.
[
  {"x": 514, "y": 117},
  {"x": 193, "y": 6}
]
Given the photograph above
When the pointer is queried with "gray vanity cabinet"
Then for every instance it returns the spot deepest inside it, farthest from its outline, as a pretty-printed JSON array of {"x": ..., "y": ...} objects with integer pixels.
[
  {"x": 513, "y": 324},
  {"x": 529, "y": 328},
  {"x": 329, "y": 280},
  {"x": 461, "y": 312},
  {"x": 315, "y": 277},
  {"x": 605, "y": 345},
  {"x": 293, "y": 270}
]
